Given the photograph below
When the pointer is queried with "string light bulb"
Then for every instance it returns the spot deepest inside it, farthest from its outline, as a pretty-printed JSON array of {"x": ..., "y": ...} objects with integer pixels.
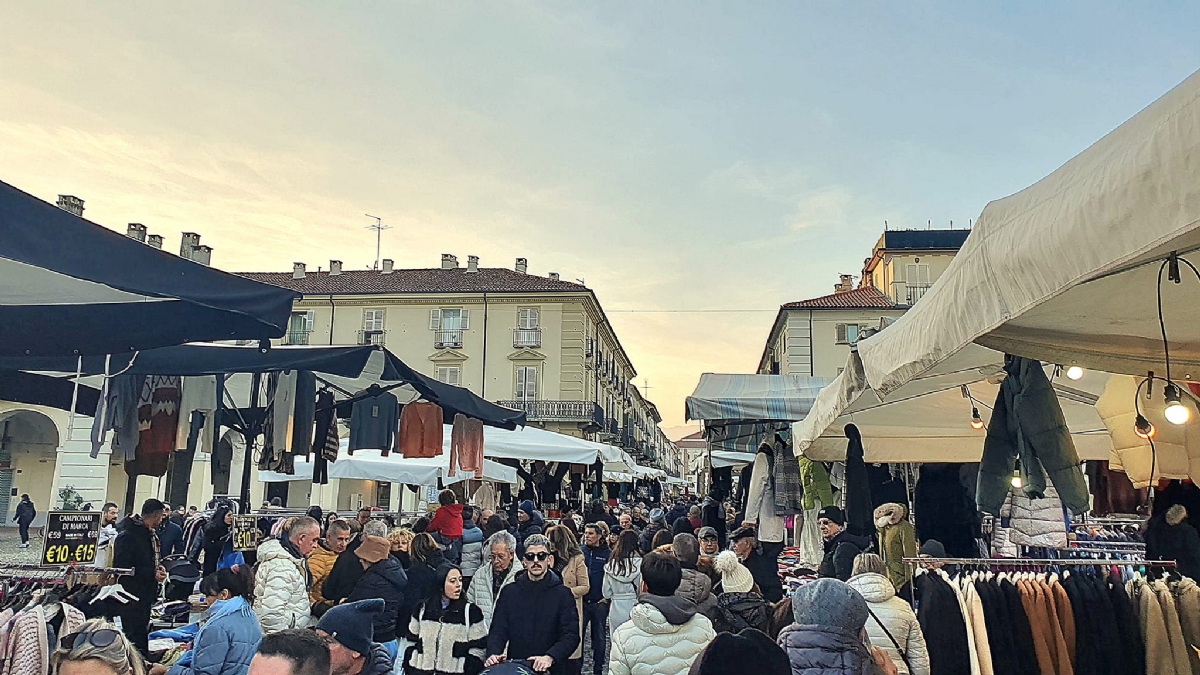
[
  {"x": 976, "y": 420},
  {"x": 1016, "y": 479},
  {"x": 1074, "y": 373},
  {"x": 1143, "y": 428},
  {"x": 1176, "y": 412}
]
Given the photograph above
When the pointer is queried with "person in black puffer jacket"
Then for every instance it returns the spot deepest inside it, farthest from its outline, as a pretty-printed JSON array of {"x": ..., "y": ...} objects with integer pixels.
[
  {"x": 1170, "y": 537},
  {"x": 741, "y": 605},
  {"x": 841, "y": 547},
  {"x": 529, "y": 523},
  {"x": 422, "y": 574},
  {"x": 384, "y": 578}
]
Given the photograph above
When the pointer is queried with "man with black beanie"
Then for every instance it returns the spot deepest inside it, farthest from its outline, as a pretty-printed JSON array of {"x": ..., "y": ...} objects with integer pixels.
[
  {"x": 348, "y": 629},
  {"x": 841, "y": 547}
]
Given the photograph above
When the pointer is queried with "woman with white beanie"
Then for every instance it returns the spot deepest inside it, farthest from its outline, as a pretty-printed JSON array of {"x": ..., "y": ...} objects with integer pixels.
[
  {"x": 740, "y": 604},
  {"x": 892, "y": 624}
]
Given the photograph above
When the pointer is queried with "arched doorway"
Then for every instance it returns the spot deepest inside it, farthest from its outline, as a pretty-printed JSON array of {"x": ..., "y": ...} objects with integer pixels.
[{"x": 29, "y": 443}]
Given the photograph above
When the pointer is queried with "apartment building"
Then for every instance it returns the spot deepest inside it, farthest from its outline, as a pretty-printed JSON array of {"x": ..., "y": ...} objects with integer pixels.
[
  {"x": 813, "y": 337},
  {"x": 534, "y": 343}
]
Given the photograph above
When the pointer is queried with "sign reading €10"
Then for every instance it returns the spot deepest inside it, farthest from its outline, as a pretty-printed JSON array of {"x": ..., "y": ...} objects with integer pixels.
[{"x": 71, "y": 538}]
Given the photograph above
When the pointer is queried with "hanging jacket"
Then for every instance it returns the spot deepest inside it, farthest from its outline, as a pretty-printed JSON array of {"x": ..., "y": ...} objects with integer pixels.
[
  {"x": 738, "y": 611},
  {"x": 814, "y": 478},
  {"x": 760, "y": 502},
  {"x": 943, "y": 625},
  {"x": 663, "y": 636},
  {"x": 453, "y": 642},
  {"x": 944, "y": 510},
  {"x": 825, "y": 650},
  {"x": 621, "y": 586},
  {"x": 898, "y": 618},
  {"x": 373, "y": 424},
  {"x": 1032, "y": 522},
  {"x": 479, "y": 593},
  {"x": 712, "y": 514},
  {"x": 421, "y": 430},
  {"x": 1028, "y": 423},
  {"x": 858, "y": 507},
  {"x": 897, "y": 541}
]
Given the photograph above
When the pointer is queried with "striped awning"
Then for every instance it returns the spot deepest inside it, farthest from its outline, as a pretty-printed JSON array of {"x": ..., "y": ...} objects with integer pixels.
[{"x": 764, "y": 398}]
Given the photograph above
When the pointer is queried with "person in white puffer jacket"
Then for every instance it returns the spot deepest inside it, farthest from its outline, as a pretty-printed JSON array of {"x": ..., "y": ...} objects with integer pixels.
[
  {"x": 665, "y": 633},
  {"x": 622, "y": 579},
  {"x": 892, "y": 625},
  {"x": 282, "y": 580}
]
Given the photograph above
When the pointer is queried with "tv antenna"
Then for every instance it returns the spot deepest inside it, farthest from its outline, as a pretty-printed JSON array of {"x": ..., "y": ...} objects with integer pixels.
[{"x": 379, "y": 227}]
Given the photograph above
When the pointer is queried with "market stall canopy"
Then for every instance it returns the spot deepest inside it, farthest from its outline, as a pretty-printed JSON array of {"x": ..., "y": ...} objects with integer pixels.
[
  {"x": 532, "y": 443},
  {"x": 1066, "y": 271},
  {"x": 726, "y": 397},
  {"x": 372, "y": 465},
  {"x": 69, "y": 286},
  {"x": 721, "y": 459},
  {"x": 935, "y": 426},
  {"x": 351, "y": 367}
]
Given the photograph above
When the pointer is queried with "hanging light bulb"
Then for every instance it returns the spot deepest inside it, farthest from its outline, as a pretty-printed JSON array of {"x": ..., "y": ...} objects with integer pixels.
[
  {"x": 1016, "y": 479},
  {"x": 1176, "y": 412},
  {"x": 1074, "y": 373},
  {"x": 976, "y": 420},
  {"x": 1143, "y": 428}
]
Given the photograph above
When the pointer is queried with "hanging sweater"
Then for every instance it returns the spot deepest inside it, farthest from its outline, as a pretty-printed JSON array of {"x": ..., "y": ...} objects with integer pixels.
[
  {"x": 466, "y": 444},
  {"x": 421, "y": 431},
  {"x": 373, "y": 423}
]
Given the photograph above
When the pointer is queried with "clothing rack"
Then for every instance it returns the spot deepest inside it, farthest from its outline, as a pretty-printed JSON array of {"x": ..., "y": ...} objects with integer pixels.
[
  {"x": 1140, "y": 545},
  {"x": 1040, "y": 562},
  {"x": 69, "y": 573}
]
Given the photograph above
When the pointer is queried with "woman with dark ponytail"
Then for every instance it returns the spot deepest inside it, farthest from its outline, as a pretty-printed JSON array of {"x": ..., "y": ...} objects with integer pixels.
[{"x": 229, "y": 632}]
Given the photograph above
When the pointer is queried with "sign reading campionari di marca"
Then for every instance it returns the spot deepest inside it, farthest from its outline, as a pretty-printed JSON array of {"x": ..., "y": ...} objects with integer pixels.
[{"x": 71, "y": 537}]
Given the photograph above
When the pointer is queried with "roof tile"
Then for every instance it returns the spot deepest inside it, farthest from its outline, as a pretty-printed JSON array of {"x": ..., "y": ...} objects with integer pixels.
[
  {"x": 866, "y": 297},
  {"x": 353, "y": 282}
]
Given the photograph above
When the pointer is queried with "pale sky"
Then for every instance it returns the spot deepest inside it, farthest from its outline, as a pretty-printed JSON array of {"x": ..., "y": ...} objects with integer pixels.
[{"x": 675, "y": 155}]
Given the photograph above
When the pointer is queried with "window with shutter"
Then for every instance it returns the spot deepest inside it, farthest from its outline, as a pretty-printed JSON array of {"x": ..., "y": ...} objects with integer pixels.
[
  {"x": 527, "y": 319},
  {"x": 373, "y": 319},
  {"x": 435, "y": 319},
  {"x": 847, "y": 333},
  {"x": 465, "y": 320},
  {"x": 450, "y": 375},
  {"x": 527, "y": 383},
  {"x": 916, "y": 274}
]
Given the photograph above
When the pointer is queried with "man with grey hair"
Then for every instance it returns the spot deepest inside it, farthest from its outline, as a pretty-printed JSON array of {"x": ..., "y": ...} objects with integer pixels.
[
  {"x": 375, "y": 528},
  {"x": 501, "y": 548},
  {"x": 282, "y": 581}
]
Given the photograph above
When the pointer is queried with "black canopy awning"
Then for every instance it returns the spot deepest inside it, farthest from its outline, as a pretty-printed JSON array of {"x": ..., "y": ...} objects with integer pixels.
[{"x": 69, "y": 286}]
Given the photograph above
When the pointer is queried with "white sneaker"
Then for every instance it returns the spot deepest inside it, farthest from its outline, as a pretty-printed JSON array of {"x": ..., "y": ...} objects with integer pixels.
[{"x": 23, "y": 546}]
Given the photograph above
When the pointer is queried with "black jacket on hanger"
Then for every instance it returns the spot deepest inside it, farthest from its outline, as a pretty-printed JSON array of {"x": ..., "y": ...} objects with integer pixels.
[{"x": 859, "y": 512}]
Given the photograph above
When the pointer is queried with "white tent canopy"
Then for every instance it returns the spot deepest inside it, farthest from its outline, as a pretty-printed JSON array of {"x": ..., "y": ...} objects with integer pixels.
[
  {"x": 533, "y": 443},
  {"x": 1065, "y": 271},
  {"x": 372, "y": 465},
  {"x": 936, "y": 426}
]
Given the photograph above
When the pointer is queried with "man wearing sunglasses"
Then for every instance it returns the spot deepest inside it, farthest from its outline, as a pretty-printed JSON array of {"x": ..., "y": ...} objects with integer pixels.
[{"x": 535, "y": 618}]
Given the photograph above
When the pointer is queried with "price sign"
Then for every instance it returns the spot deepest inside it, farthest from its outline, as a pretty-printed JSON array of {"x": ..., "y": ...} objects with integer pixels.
[
  {"x": 245, "y": 533},
  {"x": 71, "y": 537}
]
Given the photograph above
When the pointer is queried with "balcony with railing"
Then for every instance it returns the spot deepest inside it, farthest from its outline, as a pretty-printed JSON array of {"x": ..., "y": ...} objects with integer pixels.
[
  {"x": 372, "y": 337},
  {"x": 448, "y": 339},
  {"x": 527, "y": 337},
  {"x": 908, "y": 294},
  {"x": 296, "y": 337},
  {"x": 558, "y": 411}
]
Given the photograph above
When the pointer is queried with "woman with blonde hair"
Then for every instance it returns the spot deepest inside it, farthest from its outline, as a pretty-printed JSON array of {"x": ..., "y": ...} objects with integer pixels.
[
  {"x": 97, "y": 648},
  {"x": 569, "y": 564},
  {"x": 400, "y": 539},
  {"x": 892, "y": 625}
]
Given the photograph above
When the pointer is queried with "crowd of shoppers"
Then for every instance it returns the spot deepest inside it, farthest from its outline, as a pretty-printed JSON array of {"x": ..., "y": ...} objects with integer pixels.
[{"x": 444, "y": 596}]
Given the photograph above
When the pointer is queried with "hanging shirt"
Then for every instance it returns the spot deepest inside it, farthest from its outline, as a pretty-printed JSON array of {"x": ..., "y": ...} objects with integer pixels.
[
  {"x": 304, "y": 414},
  {"x": 421, "y": 430},
  {"x": 466, "y": 445},
  {"x": 373, "y": 424},
  {"x": 199, "y": 394}
]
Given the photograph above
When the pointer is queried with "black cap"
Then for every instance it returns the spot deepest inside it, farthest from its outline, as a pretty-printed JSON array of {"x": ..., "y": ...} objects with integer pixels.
[
  {"x": 833, "y": 514},
  {"x": 742, "y": 533}
]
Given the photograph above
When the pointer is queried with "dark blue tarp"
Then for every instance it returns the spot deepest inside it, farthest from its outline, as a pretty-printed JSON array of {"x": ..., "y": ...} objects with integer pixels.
[
  {"x": 201, "y": 303},
  {"x": 206, "y": 359}
]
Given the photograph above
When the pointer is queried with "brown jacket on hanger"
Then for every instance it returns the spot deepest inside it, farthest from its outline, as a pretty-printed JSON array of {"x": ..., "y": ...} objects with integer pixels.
[
  {"x": 1057, "y": 643},
  {"x": 1066, "y": 618},
  {"x": 421, "y": 431},
  {"x": 1159, "y": 660},
  {"x": 1040, "y": 623},
  {"x": 1179, "y": 648}
]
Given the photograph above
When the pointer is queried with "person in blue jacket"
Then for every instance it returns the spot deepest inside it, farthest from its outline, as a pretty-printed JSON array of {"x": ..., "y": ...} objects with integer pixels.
[{"x": 229, "y": 632}]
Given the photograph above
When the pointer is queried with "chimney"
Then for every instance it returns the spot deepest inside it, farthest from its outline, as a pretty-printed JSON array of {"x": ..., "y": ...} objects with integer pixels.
[
  {"x": 845, "y": 283},
  {"x": 472, "y": 264},
  {"x": 155, "y": 240},
  {"x": 335, "y": 267},
  {"x": 298, "y": 270},
  {"x": 136, "y": 231},
  {"x": 522, "y": 265},
  {"x": 187, "y": 246},
  {"x": 388, "y": 265},
  {"x": 202, "y": 254},
  {"x": 71, "y": 204},
  {"x": 449, "y": 261},
  {"x": 554, "y": 276}
]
